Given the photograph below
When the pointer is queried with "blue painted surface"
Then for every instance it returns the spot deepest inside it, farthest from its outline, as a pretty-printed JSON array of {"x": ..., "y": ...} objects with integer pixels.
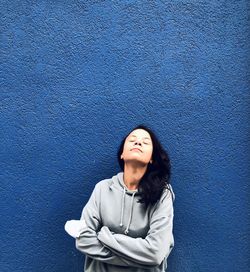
[{"x": 76, "y": 76}]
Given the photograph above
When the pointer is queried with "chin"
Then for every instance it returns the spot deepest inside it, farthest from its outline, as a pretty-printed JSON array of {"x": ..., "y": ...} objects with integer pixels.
[{"x": 135, "y": 161}]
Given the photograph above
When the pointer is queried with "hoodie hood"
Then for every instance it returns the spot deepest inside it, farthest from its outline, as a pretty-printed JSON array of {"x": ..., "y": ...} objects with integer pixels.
[{"x": 117, "y": 182}]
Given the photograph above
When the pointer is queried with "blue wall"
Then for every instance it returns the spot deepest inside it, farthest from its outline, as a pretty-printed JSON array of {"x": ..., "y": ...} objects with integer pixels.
[{"x": 76, "y": 76}]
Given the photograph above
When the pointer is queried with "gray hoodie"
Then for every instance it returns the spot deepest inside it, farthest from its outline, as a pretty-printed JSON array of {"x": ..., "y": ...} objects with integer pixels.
[{"x": 120, "y": 234}]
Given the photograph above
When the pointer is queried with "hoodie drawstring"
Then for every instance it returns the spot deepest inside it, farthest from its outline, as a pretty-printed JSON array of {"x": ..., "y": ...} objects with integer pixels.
[
  {"x": 123, "y": 200},
  {"x": 131, "y": 210},
  {"x": 130, "y": 216}
]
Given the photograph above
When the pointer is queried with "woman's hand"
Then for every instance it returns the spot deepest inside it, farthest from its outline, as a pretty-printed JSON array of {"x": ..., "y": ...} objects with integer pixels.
[{"x": 74, "y": 227}]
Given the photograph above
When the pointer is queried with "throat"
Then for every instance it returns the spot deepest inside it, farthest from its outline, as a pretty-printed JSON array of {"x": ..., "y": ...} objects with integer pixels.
[
  {"x": 133, "y": 175},
  {"x": 132, "y": 186}
]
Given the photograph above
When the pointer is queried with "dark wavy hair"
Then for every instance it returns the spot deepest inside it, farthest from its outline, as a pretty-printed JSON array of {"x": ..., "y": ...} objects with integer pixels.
[{"x": 158, "y": 173}]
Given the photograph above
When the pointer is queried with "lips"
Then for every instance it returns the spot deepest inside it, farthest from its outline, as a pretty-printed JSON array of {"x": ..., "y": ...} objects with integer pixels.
[{"x": 135, "y": 149}]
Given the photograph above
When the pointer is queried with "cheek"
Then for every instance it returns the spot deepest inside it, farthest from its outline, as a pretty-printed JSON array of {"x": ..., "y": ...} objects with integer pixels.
[
  {"x": 149, "y": 152},
  {"x": 126, "y": 147}
]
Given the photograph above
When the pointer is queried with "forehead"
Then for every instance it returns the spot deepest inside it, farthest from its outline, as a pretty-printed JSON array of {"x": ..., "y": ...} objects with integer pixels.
[{"x": 140, "y": 133}]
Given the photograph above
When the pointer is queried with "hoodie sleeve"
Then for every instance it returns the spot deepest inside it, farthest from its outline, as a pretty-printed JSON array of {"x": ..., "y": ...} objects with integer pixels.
[
  {"x": 86, "y": 238},
  {"x": 158, "y": 243}
]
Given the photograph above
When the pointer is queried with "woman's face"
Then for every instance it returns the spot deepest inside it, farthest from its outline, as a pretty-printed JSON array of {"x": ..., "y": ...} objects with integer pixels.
[{"x": 138, "y": 147}]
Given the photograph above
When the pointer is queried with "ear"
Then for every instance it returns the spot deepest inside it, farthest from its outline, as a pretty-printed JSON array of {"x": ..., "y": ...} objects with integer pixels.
[{"x": 121, "y": 156}]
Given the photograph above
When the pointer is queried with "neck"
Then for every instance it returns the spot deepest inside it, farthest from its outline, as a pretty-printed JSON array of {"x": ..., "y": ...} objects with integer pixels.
[{"x": 133, "y": 175}]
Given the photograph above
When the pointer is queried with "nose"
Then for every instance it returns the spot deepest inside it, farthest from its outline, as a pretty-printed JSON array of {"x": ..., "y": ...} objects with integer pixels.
[{"x": 137, "y": 142}]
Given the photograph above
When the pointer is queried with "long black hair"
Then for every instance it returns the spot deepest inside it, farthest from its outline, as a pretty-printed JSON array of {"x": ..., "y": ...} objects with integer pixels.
[{"x": 158, "y": 173}]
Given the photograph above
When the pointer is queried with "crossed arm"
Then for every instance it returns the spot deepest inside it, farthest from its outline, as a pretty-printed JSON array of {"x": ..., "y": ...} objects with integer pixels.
[{"x": 118, "y": 249}]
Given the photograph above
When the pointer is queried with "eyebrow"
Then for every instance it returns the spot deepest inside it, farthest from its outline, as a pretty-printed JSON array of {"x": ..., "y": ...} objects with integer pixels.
[{"x": 143, "y": 137}]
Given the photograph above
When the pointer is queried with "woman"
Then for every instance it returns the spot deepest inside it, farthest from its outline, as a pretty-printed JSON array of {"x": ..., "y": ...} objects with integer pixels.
[{"x": 128, "y": 221}]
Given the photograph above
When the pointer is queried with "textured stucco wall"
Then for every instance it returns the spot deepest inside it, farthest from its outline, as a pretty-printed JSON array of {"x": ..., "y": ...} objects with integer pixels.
[{"x": 76, "y": 76}]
